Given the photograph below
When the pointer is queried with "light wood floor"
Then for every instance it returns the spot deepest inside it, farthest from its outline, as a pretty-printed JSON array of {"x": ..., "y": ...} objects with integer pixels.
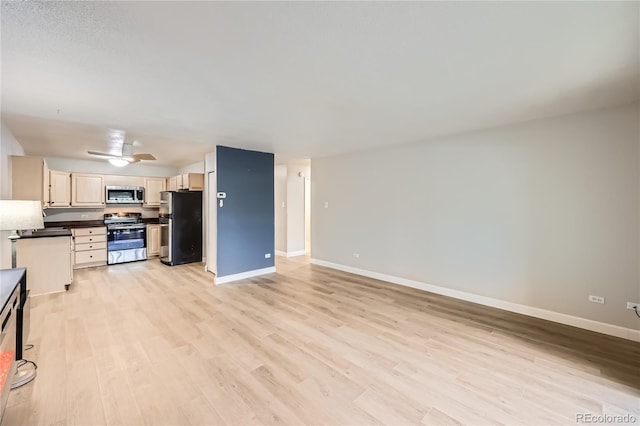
[{"x": 144, "y": 343}]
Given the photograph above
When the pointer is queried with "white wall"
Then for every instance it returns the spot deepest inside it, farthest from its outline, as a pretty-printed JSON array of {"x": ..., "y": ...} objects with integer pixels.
[
  {"x": 197, "y": 167},
  {"x": 307, "y": 213},
  {"x": 541, "y": 214},
  {"x": 280, "y": 190},
  {"x": 144, "y": 168},
  {"x": 8, "y": 146},
  {"x": 71, "y": 214},
  {"x": 296, "y": 208},
  {"x": 291, "y": 206},
  {"x": 210, "y": 212}
]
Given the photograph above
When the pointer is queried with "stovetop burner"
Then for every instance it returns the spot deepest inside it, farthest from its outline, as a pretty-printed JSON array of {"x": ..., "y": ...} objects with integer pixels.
[{"x": 122, "y": 217}]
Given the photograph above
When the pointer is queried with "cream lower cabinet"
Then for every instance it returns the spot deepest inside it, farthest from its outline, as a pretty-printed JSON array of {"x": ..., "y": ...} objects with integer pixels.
[
  {"x": 153, "y": 240},
  {"x": 48, "y": 263},
  {"x": 87, "y": 190},
  {"x": 90, "y": 247}
]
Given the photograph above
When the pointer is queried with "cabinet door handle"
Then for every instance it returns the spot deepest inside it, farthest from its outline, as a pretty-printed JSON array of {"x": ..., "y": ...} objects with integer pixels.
[
  {"x": 90, "y": 239},
  {"x": 91, "y": 256},
  {"x": 91, "y": 232},
  {"x": 90, "y": 246}
]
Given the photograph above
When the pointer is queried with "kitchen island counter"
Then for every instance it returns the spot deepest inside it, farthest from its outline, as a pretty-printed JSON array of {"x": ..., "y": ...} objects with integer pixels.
[
  {"x": 47, "y": 257},
  {"x": 69, "y": 224},
  {"x": 9, "y": 280},
  {"x": 47, "y": 232}
]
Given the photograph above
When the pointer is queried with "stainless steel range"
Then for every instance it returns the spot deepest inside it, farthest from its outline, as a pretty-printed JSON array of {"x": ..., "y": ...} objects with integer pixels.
[{"x": 126, "y": 237}]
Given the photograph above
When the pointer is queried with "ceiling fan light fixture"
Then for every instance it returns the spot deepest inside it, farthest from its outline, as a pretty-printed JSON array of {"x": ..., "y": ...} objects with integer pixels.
[
  {"x": 118, "y": 162},
  {"x": 125, "y": 157}
]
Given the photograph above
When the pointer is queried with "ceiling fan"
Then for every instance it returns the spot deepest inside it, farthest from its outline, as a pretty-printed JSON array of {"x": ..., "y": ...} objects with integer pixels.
[{"x": 126, "y": 157}]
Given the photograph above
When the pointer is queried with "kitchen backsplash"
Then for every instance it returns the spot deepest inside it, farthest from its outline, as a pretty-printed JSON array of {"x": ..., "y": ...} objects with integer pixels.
[{"x": 65, "y": 215}]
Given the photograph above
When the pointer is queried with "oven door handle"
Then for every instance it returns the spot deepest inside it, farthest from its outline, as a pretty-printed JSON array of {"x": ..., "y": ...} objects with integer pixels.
[{"x": 110, "y": 227}]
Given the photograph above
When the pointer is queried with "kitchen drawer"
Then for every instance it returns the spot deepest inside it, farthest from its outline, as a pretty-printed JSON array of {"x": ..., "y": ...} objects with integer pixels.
[
  {"x": 91, "y": 256},
  {"x": 101, "y": 245},
  {"x": 78, "y": 232},
  {"x": 90, "y": 239}
]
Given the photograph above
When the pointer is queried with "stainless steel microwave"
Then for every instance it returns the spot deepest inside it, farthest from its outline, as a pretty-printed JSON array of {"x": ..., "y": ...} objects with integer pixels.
[{"x": 124, "y": 194}]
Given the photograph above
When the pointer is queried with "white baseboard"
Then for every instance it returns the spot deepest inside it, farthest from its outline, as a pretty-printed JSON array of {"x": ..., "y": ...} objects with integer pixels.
[
  {"x": 291, "y": 253},
  {"x": 50, "y": 292},
  {"x": 243, "y": 275},
  {"x": 296, "y": 253},
  {"x": 587, "y": 324}
]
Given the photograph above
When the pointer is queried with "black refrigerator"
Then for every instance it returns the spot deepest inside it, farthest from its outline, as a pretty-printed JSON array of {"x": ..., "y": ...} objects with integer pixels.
[{"x": 180, "y": 217}]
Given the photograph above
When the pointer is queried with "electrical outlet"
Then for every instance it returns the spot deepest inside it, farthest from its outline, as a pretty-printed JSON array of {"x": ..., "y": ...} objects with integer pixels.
[
  {"x": 267, "y": 255},
  {"x": 356, "y": 255},
  {"x": 326, "y": 204},
  {"x": 632, "y": 306},
  {"x": 596, "y": 299}
]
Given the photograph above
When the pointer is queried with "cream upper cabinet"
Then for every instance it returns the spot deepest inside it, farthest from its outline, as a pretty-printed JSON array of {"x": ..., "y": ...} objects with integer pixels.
[
  {"x": 172, "y": 184},
  {"x": 30, "y": 179},
  {"x": 193, "y": 181},
  {"x": 196, "y": 181},
  {"x": 59, "y": 189},
  {"x": 87, "y": 190},
  {"x": 47, "y": 185},
  {"x": 153, "y": 240},
  {"x": 152, "y": 189},
  {"x": 186, "y": 181}
]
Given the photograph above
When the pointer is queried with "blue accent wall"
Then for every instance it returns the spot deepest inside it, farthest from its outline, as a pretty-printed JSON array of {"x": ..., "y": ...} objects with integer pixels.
[{"x": 246, "y": 220}]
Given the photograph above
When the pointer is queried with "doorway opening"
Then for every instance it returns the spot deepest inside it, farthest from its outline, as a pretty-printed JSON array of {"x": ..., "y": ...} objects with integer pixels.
[{"x": 293, "y": 207}]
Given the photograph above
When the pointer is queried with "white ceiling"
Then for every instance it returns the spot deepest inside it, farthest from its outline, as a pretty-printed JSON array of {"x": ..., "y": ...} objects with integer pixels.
[{"x": 303, "y": 79}]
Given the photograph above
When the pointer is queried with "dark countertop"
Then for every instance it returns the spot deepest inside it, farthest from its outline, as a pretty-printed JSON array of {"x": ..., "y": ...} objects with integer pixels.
[
  {"x": 9, "y": 280},
  {"x": 74, "y": 224},
  {"x": 50, "y": 232},
  {"x": 91, "y": 223}
]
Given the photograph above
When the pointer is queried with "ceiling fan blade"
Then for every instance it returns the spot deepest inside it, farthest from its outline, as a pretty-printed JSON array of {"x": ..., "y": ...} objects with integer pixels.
[
  {"x": 143, "y": 157},
  {"x": 103, "y": 154},
  {"x": 132, "y": 160}
]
